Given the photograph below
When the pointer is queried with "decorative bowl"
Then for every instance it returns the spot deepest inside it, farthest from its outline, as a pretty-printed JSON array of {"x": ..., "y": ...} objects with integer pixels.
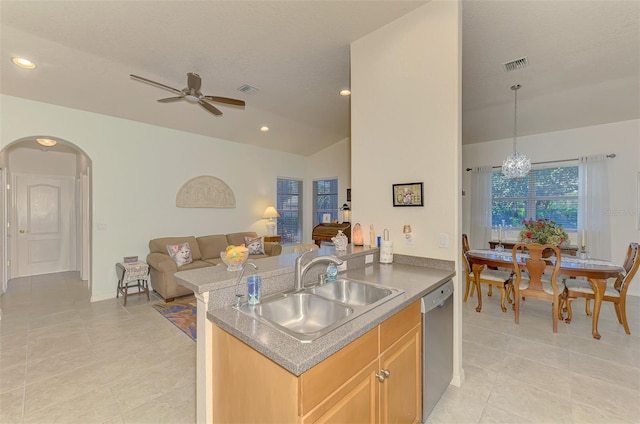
[{"x": 234, "y": 259}]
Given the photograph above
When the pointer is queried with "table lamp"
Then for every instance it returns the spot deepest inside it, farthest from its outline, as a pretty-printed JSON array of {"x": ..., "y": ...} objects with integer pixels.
[{"x": 271, "y": 213}]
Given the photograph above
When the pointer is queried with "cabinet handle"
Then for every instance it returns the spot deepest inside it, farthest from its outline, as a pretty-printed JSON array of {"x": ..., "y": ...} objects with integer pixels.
[
  {"x": 386, "y": 373},
  {"x": 380, "y": 378},
  {"x": 24, "y": 231}
]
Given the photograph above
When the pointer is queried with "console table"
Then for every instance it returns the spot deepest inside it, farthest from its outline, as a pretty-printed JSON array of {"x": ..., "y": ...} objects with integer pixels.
[
  {"x": 508, "y": 245},
  {"x": 324, "y": 232}
]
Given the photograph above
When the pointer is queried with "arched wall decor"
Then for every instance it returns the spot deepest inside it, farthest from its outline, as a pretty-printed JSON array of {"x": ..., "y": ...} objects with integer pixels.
[{"x": 205, "y": 192}]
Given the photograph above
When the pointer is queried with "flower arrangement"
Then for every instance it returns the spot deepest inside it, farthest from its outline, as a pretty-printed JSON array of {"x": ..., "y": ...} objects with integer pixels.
[{"x": 543, "y": 231}]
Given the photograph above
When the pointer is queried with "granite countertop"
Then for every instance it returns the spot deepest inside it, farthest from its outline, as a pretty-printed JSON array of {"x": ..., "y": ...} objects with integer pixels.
[{"x": 297, "y": 357}]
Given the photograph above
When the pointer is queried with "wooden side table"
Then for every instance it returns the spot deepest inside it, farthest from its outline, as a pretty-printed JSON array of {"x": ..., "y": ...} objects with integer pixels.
[
  {"x": 132, "y": 275},
  {"x": 273, "y": 239}
]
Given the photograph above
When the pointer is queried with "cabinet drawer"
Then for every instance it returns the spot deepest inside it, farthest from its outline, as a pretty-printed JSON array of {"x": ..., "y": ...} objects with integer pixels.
[
  {"x": 398, "y": 325},
  {"x": 325, "y": 378}
]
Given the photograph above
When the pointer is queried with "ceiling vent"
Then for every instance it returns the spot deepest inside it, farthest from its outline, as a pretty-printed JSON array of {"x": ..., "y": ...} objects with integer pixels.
[
  {"x": 513, "y": 65},
  {"x": 247, "y": 89}
]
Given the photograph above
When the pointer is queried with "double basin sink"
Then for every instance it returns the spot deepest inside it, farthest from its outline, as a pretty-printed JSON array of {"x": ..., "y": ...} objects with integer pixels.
[{"x": 317, "y": 310}]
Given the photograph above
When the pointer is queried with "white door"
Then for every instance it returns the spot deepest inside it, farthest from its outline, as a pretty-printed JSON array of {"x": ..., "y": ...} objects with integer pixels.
[{"x": 45, "y": 225}]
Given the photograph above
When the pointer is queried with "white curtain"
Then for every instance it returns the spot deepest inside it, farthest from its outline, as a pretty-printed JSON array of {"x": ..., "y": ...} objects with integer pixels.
[
  {"x": 480, "y": 232},
  {"x": 593, "y": 206}
]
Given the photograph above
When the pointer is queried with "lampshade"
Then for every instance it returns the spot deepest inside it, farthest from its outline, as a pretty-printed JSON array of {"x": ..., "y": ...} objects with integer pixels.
[
  {"x": 516, "y": 165},
  {"x": 270, "y": 213}
]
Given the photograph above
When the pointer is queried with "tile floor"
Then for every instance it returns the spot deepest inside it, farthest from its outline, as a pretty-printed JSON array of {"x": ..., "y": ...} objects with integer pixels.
[
  {"x": 527, "y": 374},
  {"x": 66, "y": 360}
]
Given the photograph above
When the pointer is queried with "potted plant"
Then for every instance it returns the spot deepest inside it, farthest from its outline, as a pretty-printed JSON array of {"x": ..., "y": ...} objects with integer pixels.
[{"x": 543, "y": 231}]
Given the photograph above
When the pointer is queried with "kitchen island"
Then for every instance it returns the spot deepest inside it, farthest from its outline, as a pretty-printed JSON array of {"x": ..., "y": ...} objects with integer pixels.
[{"x": 215, "y": 290}]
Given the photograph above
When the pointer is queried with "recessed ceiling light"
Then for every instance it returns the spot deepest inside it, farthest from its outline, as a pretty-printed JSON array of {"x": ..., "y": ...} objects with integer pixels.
[
  {"x": 23, "y": 63},
  {"x": 345, "y": 92},
  {"x": 47, "y": 142},
  {"x": 264, "y": 129}
]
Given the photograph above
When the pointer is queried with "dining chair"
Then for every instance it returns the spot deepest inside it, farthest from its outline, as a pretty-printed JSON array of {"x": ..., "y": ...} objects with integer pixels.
[
  {"x": 532, "y": 280},
  {"x": 616, "y": 293},
  {"x": 497, "y": 278}
]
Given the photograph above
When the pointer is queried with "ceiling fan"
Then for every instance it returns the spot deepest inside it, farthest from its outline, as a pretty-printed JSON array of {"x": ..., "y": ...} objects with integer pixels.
[{"x": 192, "y": 94}]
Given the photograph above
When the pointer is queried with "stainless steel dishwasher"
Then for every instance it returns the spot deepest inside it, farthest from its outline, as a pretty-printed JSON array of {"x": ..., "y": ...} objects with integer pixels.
[{"x": 437, "y": 345}]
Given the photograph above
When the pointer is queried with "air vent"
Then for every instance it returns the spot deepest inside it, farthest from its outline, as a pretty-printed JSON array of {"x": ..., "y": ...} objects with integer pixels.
[
  {"x": 247, "y": 89},
  {"x": 513, "y": 65}
]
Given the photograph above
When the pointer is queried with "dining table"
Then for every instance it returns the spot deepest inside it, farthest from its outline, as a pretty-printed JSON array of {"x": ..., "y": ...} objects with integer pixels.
[{"x": 596, "y": 271}]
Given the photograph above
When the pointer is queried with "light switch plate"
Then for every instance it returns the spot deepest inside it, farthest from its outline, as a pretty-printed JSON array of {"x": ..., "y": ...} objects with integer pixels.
[{"x": 443, "y": 240}]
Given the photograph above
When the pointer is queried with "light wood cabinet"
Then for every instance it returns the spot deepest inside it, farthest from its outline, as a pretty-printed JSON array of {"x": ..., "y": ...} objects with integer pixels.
[{"x": 376, "y": 378}]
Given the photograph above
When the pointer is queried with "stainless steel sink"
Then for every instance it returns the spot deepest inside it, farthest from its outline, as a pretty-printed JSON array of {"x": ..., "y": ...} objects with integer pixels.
[
  {"x": 351, "y": 292},
  {"x": 303, "y": 313},
  {"x": 315, "y": 311}
]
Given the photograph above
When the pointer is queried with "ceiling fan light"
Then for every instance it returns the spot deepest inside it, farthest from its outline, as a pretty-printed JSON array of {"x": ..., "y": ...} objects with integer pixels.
[
  {"x": 191, "y": 98},
  {"x": 23, "y": 63}
]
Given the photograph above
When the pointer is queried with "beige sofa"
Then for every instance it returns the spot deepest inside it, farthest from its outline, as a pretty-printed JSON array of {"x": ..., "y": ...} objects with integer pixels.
[{"x": 205, "y": 252}]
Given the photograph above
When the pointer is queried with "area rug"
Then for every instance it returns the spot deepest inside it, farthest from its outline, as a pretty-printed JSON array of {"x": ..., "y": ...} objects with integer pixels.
[{"x": 181, "y": 313}]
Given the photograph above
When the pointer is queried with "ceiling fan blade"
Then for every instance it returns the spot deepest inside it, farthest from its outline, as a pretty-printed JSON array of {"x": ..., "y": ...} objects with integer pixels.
[
  {"x": 211, "y": 108},
  {"x": 194, "y": 82},
  {"x": 170, "y": 99},
  {"x": 226, "y": 100},
  {"x": 157, "y": 84}
]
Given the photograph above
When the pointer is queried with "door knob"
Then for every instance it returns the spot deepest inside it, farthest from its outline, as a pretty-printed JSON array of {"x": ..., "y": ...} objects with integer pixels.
[{"x": 24, "y": 231}]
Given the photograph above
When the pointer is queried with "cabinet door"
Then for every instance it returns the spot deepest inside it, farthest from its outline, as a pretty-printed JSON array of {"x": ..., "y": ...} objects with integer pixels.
[
  {"x": 358, "y": 401},
  {"x": 401, "y": 391}
]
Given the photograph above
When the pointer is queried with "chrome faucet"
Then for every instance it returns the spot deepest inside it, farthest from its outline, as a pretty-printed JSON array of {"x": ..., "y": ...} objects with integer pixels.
[
  {"x": 240, "y": 296},
  {"x": 300, "y": 270}
]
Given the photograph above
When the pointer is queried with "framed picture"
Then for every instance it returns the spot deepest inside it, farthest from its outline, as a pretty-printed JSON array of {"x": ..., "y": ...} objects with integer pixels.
[
  {"x": 408, "y": 194},
  {"x": 348, "y": 195},
  {"x": 326, "y": 218}
]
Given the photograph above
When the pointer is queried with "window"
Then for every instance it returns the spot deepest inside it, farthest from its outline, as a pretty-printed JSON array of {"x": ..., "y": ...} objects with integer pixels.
[
  {"x": 325, "y": 195},
  {"x": 289, "y": 205},
  {"x": 544, "y": 193}
]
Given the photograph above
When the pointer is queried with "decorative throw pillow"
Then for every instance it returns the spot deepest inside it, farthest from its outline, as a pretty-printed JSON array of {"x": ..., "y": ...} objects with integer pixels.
[
  {"x": 255, "y": 245},
  {"x": 180, "y": 253}
]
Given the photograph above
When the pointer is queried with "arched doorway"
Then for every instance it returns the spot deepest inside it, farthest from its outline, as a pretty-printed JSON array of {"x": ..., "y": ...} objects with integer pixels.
[{"x": 47, "y": 208}]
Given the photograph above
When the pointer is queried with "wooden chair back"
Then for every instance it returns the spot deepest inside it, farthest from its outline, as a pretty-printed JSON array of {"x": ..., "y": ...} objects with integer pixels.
[
  {"x": 535, "y": 265},
  {"x": 631, "y": 265},
  {"x": 465, "y": 243}
]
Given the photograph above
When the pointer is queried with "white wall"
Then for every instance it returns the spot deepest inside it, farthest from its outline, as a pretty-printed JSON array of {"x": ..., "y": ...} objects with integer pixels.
[
  {"x": 137, "y": 170},
  {"x": 621, "y": 138},
  {"x": 405, "y": 127},
  {"x": 33, "y": 161},
  {"x": 332, "y": 162}
]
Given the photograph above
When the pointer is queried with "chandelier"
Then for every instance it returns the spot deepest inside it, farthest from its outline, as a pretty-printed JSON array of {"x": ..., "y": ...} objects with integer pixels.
[{"x": 516, "y": 165}]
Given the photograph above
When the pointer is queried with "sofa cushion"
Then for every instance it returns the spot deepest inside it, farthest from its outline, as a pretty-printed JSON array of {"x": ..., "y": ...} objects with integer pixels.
[
  {"x": 238, "y": 238},
  {"x": 180, "y": 253},
  {"x": 211, "y": 246},
  {"x": 159, "y": 245},
  {"x": 255, "y": 245}
]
